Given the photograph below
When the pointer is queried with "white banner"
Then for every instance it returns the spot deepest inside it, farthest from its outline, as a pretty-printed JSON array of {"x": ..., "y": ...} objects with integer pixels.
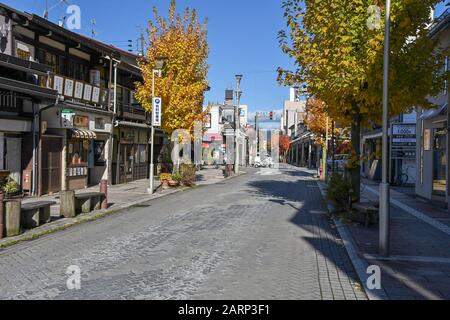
[{"x": 156, "y": 112}]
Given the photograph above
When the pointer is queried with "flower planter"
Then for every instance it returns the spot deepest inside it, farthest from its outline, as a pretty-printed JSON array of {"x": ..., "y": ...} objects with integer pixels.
[
  {"x": 165, "y": 184},
  {"x": 14, "y": 195},
  {"x": 173, "y": 183}
]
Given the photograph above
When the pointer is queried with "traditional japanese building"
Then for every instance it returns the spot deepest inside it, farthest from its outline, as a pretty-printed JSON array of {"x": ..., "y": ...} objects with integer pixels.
[{"x": 67, "y": 108}]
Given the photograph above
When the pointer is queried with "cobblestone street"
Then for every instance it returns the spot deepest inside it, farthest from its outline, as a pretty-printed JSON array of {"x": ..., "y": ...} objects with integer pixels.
[{"x": 256, "y": 236}]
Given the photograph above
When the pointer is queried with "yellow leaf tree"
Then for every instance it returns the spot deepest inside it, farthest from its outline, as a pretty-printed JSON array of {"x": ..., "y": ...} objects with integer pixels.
[
  {"x": 182, "y": 40},
  {"x": 316, "y": 120},
  {"x": 337, "y": 47}
]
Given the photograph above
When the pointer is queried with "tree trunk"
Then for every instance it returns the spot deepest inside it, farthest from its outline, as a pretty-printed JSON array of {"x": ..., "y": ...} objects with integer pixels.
[{"x": 355, "y": 171}]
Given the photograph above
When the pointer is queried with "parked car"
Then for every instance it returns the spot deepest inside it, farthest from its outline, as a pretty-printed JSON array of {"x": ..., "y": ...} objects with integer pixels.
[{"x": 340, "y": 161}]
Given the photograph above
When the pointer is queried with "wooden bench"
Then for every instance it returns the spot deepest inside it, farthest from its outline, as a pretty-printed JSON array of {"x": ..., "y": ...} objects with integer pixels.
[
  {"x": 369, "y": 211},
  {"x": 34, "y": 214},
  {"x": 87, "y": 202}
]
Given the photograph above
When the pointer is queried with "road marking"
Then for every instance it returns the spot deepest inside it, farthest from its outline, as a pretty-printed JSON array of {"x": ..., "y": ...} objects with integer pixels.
[{"x": 419, "y": 215}]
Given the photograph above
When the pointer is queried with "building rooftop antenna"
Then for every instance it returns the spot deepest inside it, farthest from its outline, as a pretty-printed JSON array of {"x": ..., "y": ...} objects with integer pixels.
[
  {"x": 93, "y": 31},
  {"x": 141, "y": 42},
  {"x": 46, "y": 10}
]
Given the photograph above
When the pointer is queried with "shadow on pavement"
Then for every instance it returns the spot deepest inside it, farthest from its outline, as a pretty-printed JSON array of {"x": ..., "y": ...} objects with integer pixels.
[{"x": 303, "y": 195}]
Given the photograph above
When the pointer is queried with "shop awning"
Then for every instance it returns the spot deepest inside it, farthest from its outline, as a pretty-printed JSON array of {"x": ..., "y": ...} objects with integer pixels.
[
  {"x": 433, "y": 113},
  {"x": 83, "y": 134}
]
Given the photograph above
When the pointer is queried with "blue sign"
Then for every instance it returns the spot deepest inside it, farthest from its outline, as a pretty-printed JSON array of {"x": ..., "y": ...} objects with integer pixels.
[{"x": 156, "y": 113}]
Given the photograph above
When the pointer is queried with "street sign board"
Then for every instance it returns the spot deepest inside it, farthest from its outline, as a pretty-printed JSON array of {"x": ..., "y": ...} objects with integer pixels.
[
  {"x": 403, "y": 141},
  {"x": 156, "y": 113}
]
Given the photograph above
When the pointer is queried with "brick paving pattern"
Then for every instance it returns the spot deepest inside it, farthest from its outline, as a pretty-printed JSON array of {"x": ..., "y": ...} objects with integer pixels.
[{"x": 420, "y": 264}]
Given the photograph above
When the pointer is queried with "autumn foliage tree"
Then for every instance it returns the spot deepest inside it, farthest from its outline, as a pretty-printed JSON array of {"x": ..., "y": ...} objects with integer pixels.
[
  {"x": 337, "y": 47},
  {"x": 182, "y": 40},
  {"x": 316, "y": 120}
]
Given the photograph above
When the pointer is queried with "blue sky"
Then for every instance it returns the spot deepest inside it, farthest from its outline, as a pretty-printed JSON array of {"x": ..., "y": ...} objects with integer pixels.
[{"x": 242, "y": 36}]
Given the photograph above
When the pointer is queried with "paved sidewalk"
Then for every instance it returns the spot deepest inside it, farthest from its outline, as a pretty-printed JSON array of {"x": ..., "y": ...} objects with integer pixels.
[
  {"x": 419, "y": 266},
  {"x": 119, "y": 196}
]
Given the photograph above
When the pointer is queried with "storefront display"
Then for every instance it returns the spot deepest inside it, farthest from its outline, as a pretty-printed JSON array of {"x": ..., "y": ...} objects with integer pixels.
[{"x": 77, "y": 161}]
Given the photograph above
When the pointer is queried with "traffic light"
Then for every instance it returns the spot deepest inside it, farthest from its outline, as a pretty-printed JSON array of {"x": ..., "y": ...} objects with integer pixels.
[{"x": 271, "y": 115}]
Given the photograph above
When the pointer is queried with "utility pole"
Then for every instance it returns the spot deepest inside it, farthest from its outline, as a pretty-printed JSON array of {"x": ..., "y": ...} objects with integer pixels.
[
  {"x": 384, "y": 186},
  {"x": 333, "y": 147},
  {"x": 257, "y": 133},
  {"x": 46, "y": 10},
  {"x": 237, "y": 118},
  {"x": 93, "y": 31},
  {"x": 159, "y": 64},
  {"x": 447, "y": 65},
  {"x": 142, "y": 44}
]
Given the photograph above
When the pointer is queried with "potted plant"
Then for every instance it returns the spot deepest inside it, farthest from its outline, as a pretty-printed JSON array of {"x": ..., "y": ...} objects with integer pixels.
[
  {"x": 11, "y": 188},
  {"x": 176, "y": 180},
  {"x": 165, "y": 178},
  {"x": 187, "y": 174}
]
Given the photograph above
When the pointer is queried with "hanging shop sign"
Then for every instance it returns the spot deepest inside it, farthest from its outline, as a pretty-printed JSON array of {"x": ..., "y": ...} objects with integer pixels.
[
  {"x": 403, "y": 141},
  {"x": 74, "y": 89},
  {"x": 67, "y": 116}
]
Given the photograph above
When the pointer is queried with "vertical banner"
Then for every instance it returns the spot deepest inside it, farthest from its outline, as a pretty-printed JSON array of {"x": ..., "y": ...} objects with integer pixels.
[{"x": 156, "y": 112}]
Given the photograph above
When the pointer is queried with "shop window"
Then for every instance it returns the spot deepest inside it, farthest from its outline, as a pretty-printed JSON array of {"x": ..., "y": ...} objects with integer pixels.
[
  {"x": 78, "y": 71},
  {"x": 24, "y": 51},
  {"x": 99, "y": 153},
  {"x": 77, "y": 152},
  {"x": 143, "y": 154},
  {"x": 126, "y": 97},
  {"x": 50, "y": 59},
  {"x": 439, "y": 161},
  {"x": 100, "y": 123}
]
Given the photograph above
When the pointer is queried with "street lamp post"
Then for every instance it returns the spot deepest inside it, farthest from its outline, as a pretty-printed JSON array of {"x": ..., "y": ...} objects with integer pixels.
[
  {"x": 384, "y": 187},
  {"x": 325, "y": 151},
  {"x": 237, "y": 125},
  {"x": 159, "y": 64}
]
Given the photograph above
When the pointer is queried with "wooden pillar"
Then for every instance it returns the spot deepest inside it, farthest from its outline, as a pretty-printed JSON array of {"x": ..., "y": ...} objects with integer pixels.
[
  {"x": 303, "y": 155},
  {"x": 67, "y": 206},
  {"x": 118, "y": 162},
  {"x": 107, "y": 175},
  {"x": 309, "y": 155},
  {"x": 64, "y": 184}
]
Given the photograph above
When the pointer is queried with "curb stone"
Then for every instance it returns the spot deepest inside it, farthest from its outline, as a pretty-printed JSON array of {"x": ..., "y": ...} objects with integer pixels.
[
  {"x": 66, "y": 223},
  {"x": 359, "y": 262}
]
